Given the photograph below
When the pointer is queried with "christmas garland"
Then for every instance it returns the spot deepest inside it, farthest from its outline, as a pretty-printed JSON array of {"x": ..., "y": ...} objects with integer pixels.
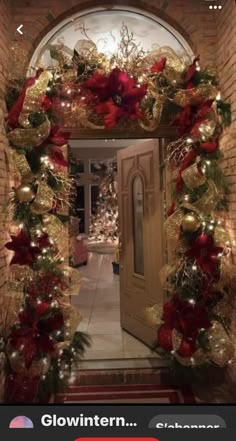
[
  {"x": 40, "y": 342},
  {"x": 135, "y": 88},
  {"x": 129, "y": 89}
]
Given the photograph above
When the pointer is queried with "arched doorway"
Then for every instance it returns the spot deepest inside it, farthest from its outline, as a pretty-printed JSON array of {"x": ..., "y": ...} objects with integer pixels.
[
  {"x": 103, "y": 25},
  {"x": 99, "y": 300}
]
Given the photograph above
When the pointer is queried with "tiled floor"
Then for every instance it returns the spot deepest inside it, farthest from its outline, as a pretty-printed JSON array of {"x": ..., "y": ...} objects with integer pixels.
[{"x": 98, "y": 303}]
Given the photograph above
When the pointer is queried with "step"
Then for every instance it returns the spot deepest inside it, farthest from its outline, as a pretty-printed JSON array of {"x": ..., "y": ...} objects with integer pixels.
[
  {"x": 95, "y": 377},
  {"x": 132, "y": 393},
  {"x": 125, "y": 363}
]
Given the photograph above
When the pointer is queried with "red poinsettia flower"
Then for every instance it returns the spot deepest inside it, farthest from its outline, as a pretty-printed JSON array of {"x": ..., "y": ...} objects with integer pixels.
[
  {"x": 187, "y": 318},
  {"x": 25, "y": 252},
  {"x": 33, "y": 332},
  {"x": 191, "y": 71},
  {"x": 201, "y": 113},
  {"x": 206, "y": 255},
  {"x": 190, "y": 118},
  {"x": 57, "y": 137},
  {"x": 45, "y": 283},
  {"x": 184, "y": 120},
  {"x": 209, "y": 147},
  {"x": 57, "y": 157},
  {"x": 43, "y": 241},
  {"x": 118, "y": 96},
  {"x": 159, "y": 66},
  {"x": 46, "y": 103}
]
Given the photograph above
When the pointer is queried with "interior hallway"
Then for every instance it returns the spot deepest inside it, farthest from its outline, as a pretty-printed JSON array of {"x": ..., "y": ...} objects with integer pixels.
[{"x": 99, "y": 304}]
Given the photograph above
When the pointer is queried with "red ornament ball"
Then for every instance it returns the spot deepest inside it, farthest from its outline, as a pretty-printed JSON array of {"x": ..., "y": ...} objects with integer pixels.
[
  {"x": 203, "y": 239},
  {"x": 186, "y": 349},
  {"x": 164, "y": 338}
]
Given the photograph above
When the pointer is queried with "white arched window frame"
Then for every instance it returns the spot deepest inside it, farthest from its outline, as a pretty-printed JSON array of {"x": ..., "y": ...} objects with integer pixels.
[{"x": 145, "y": 22}]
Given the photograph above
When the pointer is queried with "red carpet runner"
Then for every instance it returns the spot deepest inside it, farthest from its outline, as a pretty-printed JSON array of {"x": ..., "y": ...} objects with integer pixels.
[{"x": 134, "y": 393}]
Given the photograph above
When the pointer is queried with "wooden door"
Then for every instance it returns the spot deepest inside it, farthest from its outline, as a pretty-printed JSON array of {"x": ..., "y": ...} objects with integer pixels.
[{"x": 141, "y": 243}]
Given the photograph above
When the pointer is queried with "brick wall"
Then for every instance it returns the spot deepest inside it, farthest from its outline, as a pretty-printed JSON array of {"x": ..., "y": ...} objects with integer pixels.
[
  {"x": 4, "y": 152},
  {"x": 4, "y": 157},
  {"x": 226, "y": 66}
]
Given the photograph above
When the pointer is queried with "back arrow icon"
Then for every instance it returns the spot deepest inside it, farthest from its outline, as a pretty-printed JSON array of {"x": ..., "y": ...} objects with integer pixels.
[{"x": 19, "y": 29}]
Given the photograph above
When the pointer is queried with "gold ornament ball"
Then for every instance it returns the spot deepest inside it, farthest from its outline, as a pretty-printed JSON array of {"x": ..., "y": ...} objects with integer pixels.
[
  {"x": 24, "y": 193},
  {"x": 190, "y": 223}
]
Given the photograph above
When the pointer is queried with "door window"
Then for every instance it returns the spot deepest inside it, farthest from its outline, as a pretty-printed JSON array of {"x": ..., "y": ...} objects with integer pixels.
[{"x": 137, "y": 195}]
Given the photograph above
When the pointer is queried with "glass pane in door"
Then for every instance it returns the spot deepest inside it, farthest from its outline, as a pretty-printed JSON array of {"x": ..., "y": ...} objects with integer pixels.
[{"x": 137, "y": 197}]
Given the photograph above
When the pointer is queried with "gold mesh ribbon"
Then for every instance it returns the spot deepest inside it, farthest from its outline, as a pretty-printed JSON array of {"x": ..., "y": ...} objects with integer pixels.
[
  {"x": 33, "y": 137},
  {"x": 77, "y": 116},
  {"x": 56, "y": 231},
  {"x": 172, "y": 224},
  {"x": 208, "y": 201},
  {"x": 221, "y": 235},
  {"x": 18, "y": 278},
  {"x": 72, "y": 319},
  {"x": 193, "y": 97},
  {"x": 175, "y": 65},
  {"x": 151, "y": 121},
  {"x": 33, "y": 97},
  {"x": 227, "y": 274},
  {"x": 153, "y": 314},
  {"x": 222, "y": 348},
  {"x": 37, "y": 368},
  {"x": 192, "y": 177},
  {"x": 198, "y": 358},
  {"x": 22, "y": 167},
  {"x": 44, "y": 199},
  {"x": 207, "y": 128},
  {"x": 224, "y": 307}
]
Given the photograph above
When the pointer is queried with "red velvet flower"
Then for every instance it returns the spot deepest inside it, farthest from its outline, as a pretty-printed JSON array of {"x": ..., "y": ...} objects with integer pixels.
[
  {"x": 46, "y": 103},
  {"x": 190, "y": 118},
  {"x": 209, "y": 147},
  {"x": 205, "y": 254},
  {"x": 33, "y": 332},
  {"x": 187, "y": 348},
  {"x": 25, "y": 252},
  {"x": 118, "y": 96},
  {"x": 190, "y": 73},
  {"x": 43, "y": 241},
  {"x": 57, "y": 137},
  {"x": 159, "y": 66},
  {"x": 185, "y": 317},
  {"x": 184, "y": 120},
  {"x": 57, "y": 157},
  {"x": 200, "y": 115},
  {"x": 32, "y": 343},
  {"x": 164, "y": 338},
  {"x": 45, "y": 283}
]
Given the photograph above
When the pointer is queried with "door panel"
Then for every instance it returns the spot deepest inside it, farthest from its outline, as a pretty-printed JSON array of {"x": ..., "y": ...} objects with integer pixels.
[{"x": 139, "y": 165}]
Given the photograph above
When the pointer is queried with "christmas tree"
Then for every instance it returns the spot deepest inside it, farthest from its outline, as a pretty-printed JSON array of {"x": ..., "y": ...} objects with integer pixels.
[{"x": 104, "y": 223}]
